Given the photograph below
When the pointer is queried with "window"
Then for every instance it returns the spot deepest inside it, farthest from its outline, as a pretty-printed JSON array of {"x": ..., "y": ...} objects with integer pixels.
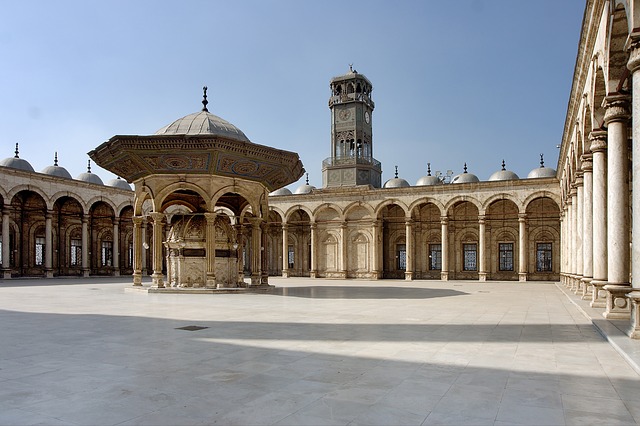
[
  {"x": 75, "y": 257},
  {"x": 544, "y": 259},
  {"x": 470, "y": 256},
  {"x": 401, "y": 254},
  {"x": 106, "y": 253},
  {"x": 505, "y": 253},
  {"x": 39, "y": 251},
  {"x": 435, "y": 257},
  {"x": 290, "y": 256}
]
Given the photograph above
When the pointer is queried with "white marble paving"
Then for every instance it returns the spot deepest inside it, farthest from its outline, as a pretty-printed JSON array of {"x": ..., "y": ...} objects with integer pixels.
[{"x": 322, "y": 352}]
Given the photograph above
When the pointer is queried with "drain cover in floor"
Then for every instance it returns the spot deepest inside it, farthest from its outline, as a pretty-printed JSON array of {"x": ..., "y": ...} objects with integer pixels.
[{"x": 191, "y": 328}]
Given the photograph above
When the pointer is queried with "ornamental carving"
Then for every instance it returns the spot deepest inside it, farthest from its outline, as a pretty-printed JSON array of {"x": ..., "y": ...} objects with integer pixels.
[{"x": 616, "y": 110}]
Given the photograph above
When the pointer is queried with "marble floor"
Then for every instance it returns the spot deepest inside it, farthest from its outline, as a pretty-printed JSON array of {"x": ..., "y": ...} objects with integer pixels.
[{"x": 314, "y": 352}]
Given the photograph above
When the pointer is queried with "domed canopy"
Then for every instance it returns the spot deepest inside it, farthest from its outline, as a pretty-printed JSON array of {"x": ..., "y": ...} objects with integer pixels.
[
  {"x": 17, "y": 163},
  {"x": 542, "y": 171},
  {"x": 56, "y": 170},
  {"x": 306, "y": 188},
  {"x": 396, "y": 182},
  {"x": 503, "y": 174},
  {"x": 281, "y": 191},
  {"x": 90, "y": 177},
  {"x": 203, "y": 123},
  {"x": 119, "y": 183},
  {"x": 428, "y": 180},
  {"x": 465, "y": 177}
]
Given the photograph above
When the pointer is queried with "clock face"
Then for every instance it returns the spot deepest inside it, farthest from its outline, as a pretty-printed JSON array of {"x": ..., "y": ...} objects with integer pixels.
[
  {"x": 344, "y": 114},
  {"x": 366, "y": 117}
]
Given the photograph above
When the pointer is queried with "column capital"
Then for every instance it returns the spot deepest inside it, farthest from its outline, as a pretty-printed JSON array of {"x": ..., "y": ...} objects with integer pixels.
[
  {"x": 598, "y": 139},
  {"x": 157, "y": 217},
  {"x": 616, "y": 108},
  {"x": 481, "y": 219},
  {"x": 633, "y": 64},
  {"x": 444, "y": 220},
  {"x": 587, "y": 163},
  {"x": 137, "y": 220},
  {"x": 408, "y": 222},
  {"x": 522, "y": 217},
  {"x": 210, "y": 216}
]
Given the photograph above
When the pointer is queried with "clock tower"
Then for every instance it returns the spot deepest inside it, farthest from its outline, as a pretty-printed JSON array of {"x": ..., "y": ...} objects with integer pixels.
[{"x": 351, "y": 162}]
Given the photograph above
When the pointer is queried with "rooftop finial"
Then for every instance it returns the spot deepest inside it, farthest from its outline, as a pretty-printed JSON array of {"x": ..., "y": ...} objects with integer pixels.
[
  {"x": 204, "y": 99},
  {"x": 88, "y": 166},
  {"x": 503, "y": 169},
  {"x": 465, "y": 167},
  {"x": 541, "y": 160},
  {"x": 16, "y": 151},
  {"x": 55, "y": 159},
  {"x": 350, "y": 67},
  {"x": 307, "y": 178},
  {"x": 396, "y": 172},
  {"x": 428, "y": 169}
]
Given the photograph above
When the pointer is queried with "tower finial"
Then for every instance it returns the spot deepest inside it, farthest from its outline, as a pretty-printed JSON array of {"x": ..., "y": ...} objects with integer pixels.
[
  {"x": 541, "y": 160},
  {"x": 88, "y": 166},
  {"x": 204, "y": 99},
  {"x": 55, "y": 159},
  {"x": 396, "y": 172},
  {"x": 428, "y": 169},
  {"x": 16, "y": 151},
  {"x": 503, "y": 169},
  {"x": 465, "y": 167}
]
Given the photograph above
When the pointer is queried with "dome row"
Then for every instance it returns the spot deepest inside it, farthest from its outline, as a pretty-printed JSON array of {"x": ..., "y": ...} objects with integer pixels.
[{"x": 21, "y": 164}]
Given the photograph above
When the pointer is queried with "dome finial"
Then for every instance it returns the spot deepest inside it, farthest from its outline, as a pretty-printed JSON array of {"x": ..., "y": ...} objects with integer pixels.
[
  {"x": 396, "y": 172},
  {"x": 465, "y": 167},
  {"x": 55, "y": 159},
  {"x": 541, "y": 160},
  {"x": 88, "y": 166},
  {"x": 307, "y": 178},
  {"x": 204, "y": 99},
  {"x": 503, "y": 165},
  {"x": 16, "y": 151},
  {"x": 428, "y": 169}
]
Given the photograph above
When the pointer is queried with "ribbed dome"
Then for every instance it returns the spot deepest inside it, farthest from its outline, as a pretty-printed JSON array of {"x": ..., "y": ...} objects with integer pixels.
[
  {"x": 503, "y": 174},
  {"x": 90, "y": 177},
  {"x": 542, "y": 171},
  {"x": 281, "y": 191},
  {"x": 305, "y": 189},
  {"x": 428, "y": 180},
  {"x": 119, "y": 183},
  {"x": 465, "y": 177},
  {"x": 17, "y": 163},
  {"x": 56, "y": 170},
  {"x": 203, "y": 123}
]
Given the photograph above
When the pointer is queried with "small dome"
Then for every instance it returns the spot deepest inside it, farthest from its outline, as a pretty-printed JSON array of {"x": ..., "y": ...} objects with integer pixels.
[
  {"x": 90, "y": 177},
  {"x": 306, "y": 188},
  {"x": 17, "y": 163},
  {"x": 281, "y": 191},
  {"x": 56, "y": 170},
  {"x": 396, "y": 182},
  {"x": 542, "y": 171},
  {"x": 428, "y": 180},
  {"x": 465, "y": 177},
  {"x": 119, "y": 183},
  {"x": 503, "y": 174}
]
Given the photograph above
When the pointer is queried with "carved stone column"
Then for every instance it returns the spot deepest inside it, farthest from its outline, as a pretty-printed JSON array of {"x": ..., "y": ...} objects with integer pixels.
[
  {"x": 285, "y": 250},
  {"x": 578, "y": 235},
  {"x": 137, "y": 249},
  {"x": 377, "y": 241},
  {"x": 343, "y": 249},
  {"x": 85, "y": 245},
  {"x": 522, "y": 247},
  {"x": 6, "y": 248},
  {"x": 408, "y": 226},
  {"x": 240, "y": 253},
  {"x": 570, "y": 235},
  {"x": 587, "y": 226},
  {"x": 48, "y": 245},
  {"x": 314, "y": 261},
  {"x": 600, "y": 256},
  {"x": 256, "y": 258},
  {"x": 145, "y": 246},
  {"x": 157, "y": 277},
  {"x": 563, "y": 253},
  {"x": 444, "y": 225},
  {"x": 482, "y": 231},
  {"x": 116, "y": 247},
  {"x": 616, "y": 118},
  {"x": 264, "y": 250},
  {"x": 210, "y": 250}
]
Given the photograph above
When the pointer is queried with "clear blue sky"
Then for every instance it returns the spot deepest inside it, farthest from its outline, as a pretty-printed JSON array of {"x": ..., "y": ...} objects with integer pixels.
[{"x": 473, "y": 81}]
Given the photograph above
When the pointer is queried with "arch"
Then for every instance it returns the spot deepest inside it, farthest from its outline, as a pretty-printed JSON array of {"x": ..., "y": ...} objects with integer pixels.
[
  {"x": 380, "y": 207},
  {"x": 426, "y": 200},
  {"x": 122, "y": 207},
  {"x": 351, "y": 209},
  {"x": 172, "y": 188},
  {"x": 30, "y": 188},
  {"x": 278, "y": 211},
  {"x": 617, "y": 54},
  {"x": 251, "y": 198},
  {"x": 599, "y": 91},
  {"x": 461, "y": 198},
  {"x": 542, "y": 194},
  {"x": 328, "y": 212},
  {"x": 296, "y": 208},
  {"x": 502, "y": 196},
  {"x": 100, "y": 199}
]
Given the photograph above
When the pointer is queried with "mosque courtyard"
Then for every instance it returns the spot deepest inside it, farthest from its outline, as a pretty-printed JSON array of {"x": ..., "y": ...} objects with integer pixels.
[{"x": 315, "y": 352}]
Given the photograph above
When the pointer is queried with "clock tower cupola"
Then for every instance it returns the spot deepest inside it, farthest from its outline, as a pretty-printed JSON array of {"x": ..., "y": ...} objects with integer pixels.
[{"x": 351, "y": 162}]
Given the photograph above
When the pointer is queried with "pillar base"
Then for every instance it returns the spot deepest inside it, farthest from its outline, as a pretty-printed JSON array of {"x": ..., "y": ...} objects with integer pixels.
[
  {"x": 577, "y": 288},
  {"x": 598, "y": 295},
  {"x": 48, "y": 273},
  {"x": 634, "y": 298},
  {"x": 137, "y": 279},
  {"x": 116, "y": 273},
  {"x": 157, "y": 280},
  {"x": 618, "y": 306},
  {"x": 482, "y": 276},
  {"x": 586, "y": 288},
  {"x": 522, "y": 277},
  {"x": 408, "y": 276},
  {"x": 313, "y": 273},
  {"x": 6, "y": 274},
  {"x": 85, "y": 273},
  {"x": 444, "y": 276},
  {"x": 285, "y": 273}
]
